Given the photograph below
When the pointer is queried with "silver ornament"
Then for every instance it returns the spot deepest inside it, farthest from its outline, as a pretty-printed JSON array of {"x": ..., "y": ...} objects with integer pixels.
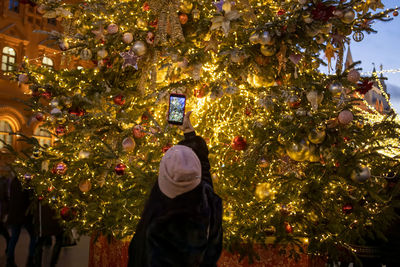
[
  {"x": 139, "y": 47},
  {"x": 336, "y": 89},
  {"x": 315, "y": 98},
  {"x": 112, "y": 28},
  {"x": 266, "y": 39},
  {"x": 84, "y": 154},
  {"x": 127, "y": 37},
  {"x": 361, "y": 174},
  {"x": 102, "y": 53}
]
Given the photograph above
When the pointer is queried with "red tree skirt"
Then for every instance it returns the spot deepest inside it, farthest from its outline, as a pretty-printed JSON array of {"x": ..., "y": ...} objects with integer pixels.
[{"x": 114, "y": 253}]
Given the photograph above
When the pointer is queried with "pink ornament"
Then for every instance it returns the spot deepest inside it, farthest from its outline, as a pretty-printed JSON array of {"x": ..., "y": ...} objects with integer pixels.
[
  {"x": 353, "y": 76},
  {"x": 112, "y": 28},
  {"x": 345, "y": 117}
]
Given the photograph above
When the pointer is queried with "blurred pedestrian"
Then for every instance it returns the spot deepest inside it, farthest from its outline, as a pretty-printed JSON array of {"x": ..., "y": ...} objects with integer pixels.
[
  {"x": 18, "y": 217},
  {"x": 47, "y": 225}
]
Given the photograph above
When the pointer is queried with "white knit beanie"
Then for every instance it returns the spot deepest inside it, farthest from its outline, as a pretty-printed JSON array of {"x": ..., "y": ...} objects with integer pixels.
[{"x": 180, "y": 171}]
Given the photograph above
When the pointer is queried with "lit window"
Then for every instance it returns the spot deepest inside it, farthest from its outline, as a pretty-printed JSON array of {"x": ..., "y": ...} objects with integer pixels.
[
  {"x": 13, "y": 5},
  {"x": 5, "y": 130},
  {"x": 8, "y": 59},
  {"x": 43, "y": 136},
  {"x": 47, "y": 62}
]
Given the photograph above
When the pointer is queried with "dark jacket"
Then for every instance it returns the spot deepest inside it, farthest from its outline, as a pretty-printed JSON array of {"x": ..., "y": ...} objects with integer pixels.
[
  {"x": 46, "y": 222},
  {"x": 19, "y": 203},
  {"x": 185, "y": 231}
]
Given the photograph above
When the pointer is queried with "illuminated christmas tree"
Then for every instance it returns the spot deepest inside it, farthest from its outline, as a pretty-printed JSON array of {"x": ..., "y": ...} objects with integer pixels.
[{"x": 291, "y": 153}]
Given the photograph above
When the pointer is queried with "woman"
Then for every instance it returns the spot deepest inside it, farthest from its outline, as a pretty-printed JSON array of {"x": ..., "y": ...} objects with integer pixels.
[{"x": 181, "y": 224}]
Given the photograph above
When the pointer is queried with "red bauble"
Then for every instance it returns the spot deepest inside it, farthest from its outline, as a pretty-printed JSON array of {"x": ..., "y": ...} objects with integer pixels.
[
  {"x": 119, "y": 100},
  {"x": 288, "y": 228},
  {"x": 39, "y": 116},
  {"x": 239, "y": 143},
  {"x": 154, "y": 23},
  {"x": 77, "y": 111},
  {"x": 166, "y": 147},
  {"x": 395, "y": 13},
  {"x": 281, "y": 12},
  {"x": 67, "y": 214},
  {"x": 199, "y": 92},
  {"x": 183, "y": 18},
  {"x": 46, "y": 95},
  {"x": 347, "y": 209},
  {"x": 120, "y": 169},
  {"x": 59, "y": 168},
  {"x": 146, "y": 6},
  {"x": 60, "y": 130}
]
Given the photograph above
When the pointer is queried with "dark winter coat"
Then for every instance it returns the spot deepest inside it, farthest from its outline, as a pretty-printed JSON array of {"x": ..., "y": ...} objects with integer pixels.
[
  {"x": 18, "y": 205},
  {"x": 46, "y": 221},
  {"x": 185, "y": 231}
]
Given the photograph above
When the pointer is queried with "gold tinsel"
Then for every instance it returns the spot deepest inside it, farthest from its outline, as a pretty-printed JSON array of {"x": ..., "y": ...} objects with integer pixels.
[{"x": 168, "y": 21}]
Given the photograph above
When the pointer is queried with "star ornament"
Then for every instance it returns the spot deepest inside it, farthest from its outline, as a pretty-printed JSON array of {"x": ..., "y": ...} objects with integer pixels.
[
  {"x": 130, "y": 59},
  {"x": 99, "y": 34}
]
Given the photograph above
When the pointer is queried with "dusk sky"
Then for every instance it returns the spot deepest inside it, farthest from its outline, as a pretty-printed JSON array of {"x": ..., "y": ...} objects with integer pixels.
[{"x": 382, "y": 48}]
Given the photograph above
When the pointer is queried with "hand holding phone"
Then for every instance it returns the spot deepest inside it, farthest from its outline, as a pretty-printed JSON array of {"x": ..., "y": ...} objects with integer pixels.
[{"x": 176, "y": 110}]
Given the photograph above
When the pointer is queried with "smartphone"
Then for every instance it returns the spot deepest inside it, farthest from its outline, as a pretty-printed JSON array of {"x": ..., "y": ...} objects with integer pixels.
[{"x": 176, "y": 111}]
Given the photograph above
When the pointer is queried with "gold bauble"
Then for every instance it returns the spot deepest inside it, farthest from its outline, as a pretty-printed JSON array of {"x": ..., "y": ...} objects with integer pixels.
[
  {"x": 317, "y": 136},
  {"x": 186, "y": 6},
  {"x": 298, "y": 151},
  {"x": 141, "y": 23},
  {"x": 263, "y": 191},
  {"x": 85, "y": 186},
  {"x": 267, "y": 50},
  {"x": 348, "y": 16}
]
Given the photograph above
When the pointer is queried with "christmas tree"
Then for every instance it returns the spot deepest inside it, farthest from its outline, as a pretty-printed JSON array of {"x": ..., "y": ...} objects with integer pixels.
[{"x": 293, "y": 153}]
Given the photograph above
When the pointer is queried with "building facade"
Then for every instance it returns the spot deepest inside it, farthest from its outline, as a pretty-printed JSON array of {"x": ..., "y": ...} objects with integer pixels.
[{"x": 18, "y": 39}]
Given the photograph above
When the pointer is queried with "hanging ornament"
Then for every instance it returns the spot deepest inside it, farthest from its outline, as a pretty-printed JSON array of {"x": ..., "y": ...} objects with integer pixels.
[
  {"x": 183, "y": 18},
  {"x": 263, "y": 191},
  {"x": 348, "y": 16},
  {"x": 60, "y": 168},
  {"x": 315, "y": 98},
  {"x": 267, "y": 50},
  {"x": 186, "y": 6},
  {"x": 130, "y": 59},
  {"x": 263, "y": 163},
  {"x": 361, "y": 174},
  {"x": 120, "y": 169},
  {"x": 39, "y": 116},
  {"x": 99, "y": 34},
  {"x": 45, "y": 165},
  {"x": 28, "y": 176},
  {"x": 84, "y": 154},
  {"x": 139, "y": 48},
  {"x": 112, "y": 28},
  {"x": 55, "y": 111},
  {"x": 60, "y": 130},
  {"x": 36, "y": 153},
  {"x": 128, "y": 144},
  {"x": 317, "y": 136},
  {"x": 127, "y": 38},
  {"x": 330, "y": 53},
  {"x": 119, "y": 100},
  {"x": 76, "y": 111},
  {"x": 85, "y": 186},
  {"x": 239, "y": 143},
  {"x": 335, "y": 89},
  {"x": 322, "y": 12},
  {"x": 150, "y": 38},
  {"x": 353, "y": 76},
  {"x": 168, "y": 20},
  {"x": 195, "y": 14},
  {"x": 138, "y": 131},
  {"x": 358, "y": 36},
  {"x": 23, "y": 78},
  {"x": 254, "y": 38},
  {"x": 288, "y": 228},
  {"x": 86, "y": 54},
  {"x": 364, "y": 86},
  {"x": 266, "y": 39},
  {"x": 313, "y": 155},
  {"x": 67, "y": 214},
  {"x": 345, "y": 117},
  {"x": 347, "y": 209},
  {"x": 298, "y": 151},
  {"x": 102, "y": 53},
  {"x": 395, "y": 13}
]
